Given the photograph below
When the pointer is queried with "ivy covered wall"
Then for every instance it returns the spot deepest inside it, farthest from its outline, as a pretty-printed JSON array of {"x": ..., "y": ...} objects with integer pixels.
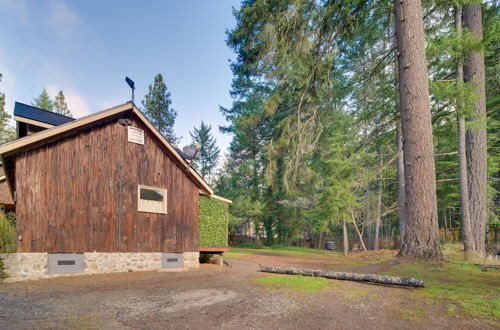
[{"x": 213, "y": 216}]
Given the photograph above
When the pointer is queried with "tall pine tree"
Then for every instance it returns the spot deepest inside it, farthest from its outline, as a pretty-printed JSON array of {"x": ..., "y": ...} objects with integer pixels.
[
  {"x": 60, "y": 105},
  {"x": 208, "y": 155},
  {"x": 421, "y": 234},
  {"x": 43, "y": 101},
  {"x": 156, "y": 106},
  {"x": 474, "y": 72}
]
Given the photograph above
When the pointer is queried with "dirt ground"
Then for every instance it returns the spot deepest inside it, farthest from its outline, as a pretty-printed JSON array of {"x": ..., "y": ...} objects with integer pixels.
[{"x": 213, "y": 297}]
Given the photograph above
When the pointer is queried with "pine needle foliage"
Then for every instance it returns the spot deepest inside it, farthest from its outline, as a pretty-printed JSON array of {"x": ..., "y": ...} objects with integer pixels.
[
  {"x": 43, "y": 101},
  {"x": 207, "y": 156},
  {"x": 157, "y": 108}
]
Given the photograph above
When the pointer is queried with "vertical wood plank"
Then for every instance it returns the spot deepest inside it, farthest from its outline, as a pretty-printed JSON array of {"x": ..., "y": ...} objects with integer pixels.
[{"x": 79, "y": 194}]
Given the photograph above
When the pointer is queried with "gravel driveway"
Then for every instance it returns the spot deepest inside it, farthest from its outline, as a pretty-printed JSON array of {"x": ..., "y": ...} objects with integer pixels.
[{"x": 212, "y": 297}]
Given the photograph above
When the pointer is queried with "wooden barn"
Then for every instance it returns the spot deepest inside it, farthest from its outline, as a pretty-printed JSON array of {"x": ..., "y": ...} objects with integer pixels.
[{"x": 102, "y": 193}]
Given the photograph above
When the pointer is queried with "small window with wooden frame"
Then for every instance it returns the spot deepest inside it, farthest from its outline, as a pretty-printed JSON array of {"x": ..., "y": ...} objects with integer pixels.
[{"x": 152, "y": 199}]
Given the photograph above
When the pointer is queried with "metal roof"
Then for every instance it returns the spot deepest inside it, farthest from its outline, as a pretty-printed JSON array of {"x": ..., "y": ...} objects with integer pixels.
[{"x": 41, "y": 115}]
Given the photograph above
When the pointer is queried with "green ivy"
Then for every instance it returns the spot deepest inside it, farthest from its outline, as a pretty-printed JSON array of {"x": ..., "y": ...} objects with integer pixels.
[
  {"x": 7, "y": 232},
  {"x": 213, "y": 216}
]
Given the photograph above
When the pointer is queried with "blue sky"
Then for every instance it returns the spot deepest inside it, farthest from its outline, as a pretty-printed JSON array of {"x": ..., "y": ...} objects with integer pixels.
[{"x": 86, "y": 48}]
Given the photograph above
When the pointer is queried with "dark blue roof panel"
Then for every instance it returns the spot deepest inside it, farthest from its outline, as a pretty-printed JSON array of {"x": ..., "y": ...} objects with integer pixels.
[{"x": 44, "y": 116}]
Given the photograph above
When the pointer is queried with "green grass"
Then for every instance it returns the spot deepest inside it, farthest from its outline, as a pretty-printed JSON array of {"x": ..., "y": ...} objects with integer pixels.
[
  {"x": 281, "y": 249},
  {"x": 357, "y": 263},
  {"x": 460, "y": 285},
  {"x": 234, "y": 254},
  {"x": 333, "y": 260},
  {"x": 416, "y": 314},
  {"x": 293, "y": 283},
  {"x": 241, "y": 252},
  {"x": 453, "y": 285}
]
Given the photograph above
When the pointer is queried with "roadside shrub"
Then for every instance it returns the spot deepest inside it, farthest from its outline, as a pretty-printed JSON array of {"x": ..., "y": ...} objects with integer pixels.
[
  {"x": 213, "y": 216},
  {"x": 7, "y": 236},
  {"x": 2, "y": 273},
  {"x": 7, "y": 232}
]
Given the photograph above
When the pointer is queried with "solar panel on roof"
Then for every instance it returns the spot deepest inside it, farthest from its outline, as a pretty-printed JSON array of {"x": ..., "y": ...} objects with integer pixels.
[{"x": 41, "y": 115}]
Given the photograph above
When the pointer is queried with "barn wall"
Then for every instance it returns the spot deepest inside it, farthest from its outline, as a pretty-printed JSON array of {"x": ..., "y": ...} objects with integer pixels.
[
  {"x": 79, "y": 194},
  {"x": 5, "y": 196}
]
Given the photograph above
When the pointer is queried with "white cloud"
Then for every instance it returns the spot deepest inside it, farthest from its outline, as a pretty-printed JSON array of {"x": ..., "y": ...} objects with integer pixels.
[{"x": 76, "y": 104}]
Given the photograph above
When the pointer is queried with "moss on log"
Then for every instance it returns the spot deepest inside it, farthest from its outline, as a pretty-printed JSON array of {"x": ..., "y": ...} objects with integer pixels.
[{"x": 371, "y": 278}]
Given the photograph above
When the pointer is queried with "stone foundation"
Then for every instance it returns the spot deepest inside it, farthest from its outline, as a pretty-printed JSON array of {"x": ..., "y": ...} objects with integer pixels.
[
  {"x": 100, "y": 262},
  {"x": 26, "y": 266},
  {"x": 191, "y": 260}
]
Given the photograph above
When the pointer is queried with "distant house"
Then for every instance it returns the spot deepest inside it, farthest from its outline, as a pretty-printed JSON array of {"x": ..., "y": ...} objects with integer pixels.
[{"x": 102, "y": 193}]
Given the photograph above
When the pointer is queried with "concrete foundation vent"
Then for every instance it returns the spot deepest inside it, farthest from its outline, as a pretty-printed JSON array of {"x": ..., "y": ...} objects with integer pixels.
[
  {"x": 65, "y": 263},
  {"x": 172, "y": 260}
]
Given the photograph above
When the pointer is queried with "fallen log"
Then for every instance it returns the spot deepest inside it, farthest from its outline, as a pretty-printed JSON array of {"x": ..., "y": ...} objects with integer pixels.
[
  {"x": 485, "y": 268},
  {"x": 372, "y": 278}
]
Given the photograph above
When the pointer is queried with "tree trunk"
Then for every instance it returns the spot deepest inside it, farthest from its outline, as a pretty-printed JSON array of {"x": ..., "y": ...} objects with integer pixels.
[
  {"x": 476, "y": 135},
  {"x": 346, "y": 241},
  {"x": 445, "y": 226},
  {"x": 400, "y": 162},
  {"x": 379, "y": 206},
  {"x": 363, "y": 246},
  {"x": 372, "y": 278},
  {"x": 369, "y": 234},
  {"x": 422, "y": 234},
  {"x": 462, "y": 157},
  {"x": 401, "y": 188}
]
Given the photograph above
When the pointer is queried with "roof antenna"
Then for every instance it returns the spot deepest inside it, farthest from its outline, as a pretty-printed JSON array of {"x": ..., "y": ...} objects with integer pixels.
[{"x": 131, "y": 83}]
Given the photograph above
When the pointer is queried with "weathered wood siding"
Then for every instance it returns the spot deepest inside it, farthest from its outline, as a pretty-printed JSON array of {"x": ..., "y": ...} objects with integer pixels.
[
  {"x": 79, "y": 194},
  {"x": 5, "y": 196}
]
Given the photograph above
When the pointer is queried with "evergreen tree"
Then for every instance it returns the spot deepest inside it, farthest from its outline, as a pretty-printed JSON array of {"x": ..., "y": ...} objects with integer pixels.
[
  {"x": 208, "y": 154},
  {"x": 156, "y": 107},
  {"x": 296, "y": 66},
  {"x": 60, "y": 105},
  {"x": 43, "y": 101},
  {"x": 7, "y": 132},
  {"x": 421, "y": 234},
  {"x": 477, "y": 171}
]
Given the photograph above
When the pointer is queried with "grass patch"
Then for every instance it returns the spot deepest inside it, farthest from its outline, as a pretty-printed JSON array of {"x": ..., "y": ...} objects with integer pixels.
[
  {"x": 362, "y": 262},
  {"x": 293, "y": 283},
  {"x": 241, "y": 252},
  {"x": 353, "y": 259},
  {"x": 460, "y": 284},
  {"x": 281, "y": 249},
  {"x": 234, "y": 255},
  {"x": 451, "y": 308},
  {"x": 415, "y": 314}
]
